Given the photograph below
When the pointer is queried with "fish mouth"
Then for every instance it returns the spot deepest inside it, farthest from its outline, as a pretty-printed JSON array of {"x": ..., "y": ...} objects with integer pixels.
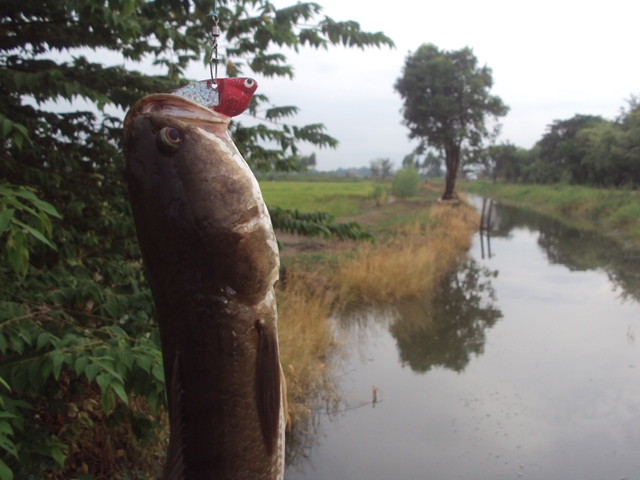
[{"x": 168, "y": 104}]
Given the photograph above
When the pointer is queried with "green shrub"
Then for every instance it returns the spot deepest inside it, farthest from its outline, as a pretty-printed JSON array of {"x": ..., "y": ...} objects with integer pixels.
[{"x": 405, "y": 183}]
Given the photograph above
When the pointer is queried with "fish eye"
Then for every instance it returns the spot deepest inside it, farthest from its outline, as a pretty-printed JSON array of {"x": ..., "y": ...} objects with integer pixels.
[
  {"x": 169, "y": 139},
  {"x": 249, "y": 82}
]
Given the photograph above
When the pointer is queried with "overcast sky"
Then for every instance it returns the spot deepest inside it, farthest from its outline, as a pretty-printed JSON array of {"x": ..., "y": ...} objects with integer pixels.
[{"x": 550, "y": 60}]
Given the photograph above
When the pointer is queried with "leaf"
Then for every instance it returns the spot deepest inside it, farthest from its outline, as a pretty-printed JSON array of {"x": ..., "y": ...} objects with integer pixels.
[
  {"x": 35, "y": 378},
  {"x": 17, "y": 253},
  {"x": 40, "y": 204},
  {"x": 107, "y": 400},
  {"x": 8, "y": 445},
  {"x": 91, "y": 371},
  {"x": 7, "y": 125},
  {"x": 126, "y": 357},
  {"x": 18, "y": 140},
  {"x": 43, "y": 340},
  {"x": 57, "y": 455},
  {"x": 158, "y": 372},
  {"x": 57, "y": 360},
  {"x": 144, "y": 362},
  {"x": 5, "y": 218},
  {"x": 80, "y": 365},
  {"x": 119, "y": 389},
  {"x": 35, "y": 233},
  {"x": 104, "y": 380},
  {"x": 5, "y": 472},
  {"x": 5, "y": 427}
]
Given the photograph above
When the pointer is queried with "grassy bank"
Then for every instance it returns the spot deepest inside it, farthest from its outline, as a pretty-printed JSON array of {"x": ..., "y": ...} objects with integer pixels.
[
  {"x": 417, "y": 242},
  {"x": 613, "y": 211},
  {"x": 340, "y": 199}
]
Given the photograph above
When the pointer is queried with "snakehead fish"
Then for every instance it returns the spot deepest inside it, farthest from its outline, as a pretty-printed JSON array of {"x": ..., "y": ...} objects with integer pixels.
[{"x": 211, "y": 258}]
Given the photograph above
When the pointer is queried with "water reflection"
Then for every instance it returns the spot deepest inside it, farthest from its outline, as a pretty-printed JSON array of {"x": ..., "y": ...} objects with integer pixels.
[
  {"x": 576, "y": 248},
  {"x": 549, "y": 391},
  {"x": 446, "y": 328}
]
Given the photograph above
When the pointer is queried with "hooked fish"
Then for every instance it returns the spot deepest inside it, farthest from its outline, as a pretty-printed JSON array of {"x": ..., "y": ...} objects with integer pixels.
[
  {"x": 228, "y": 96},
  {"x": 211, "y": 259}
]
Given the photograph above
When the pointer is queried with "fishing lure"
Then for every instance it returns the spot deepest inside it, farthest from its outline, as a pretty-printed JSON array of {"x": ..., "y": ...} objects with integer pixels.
[{"x": 228, "y": 96}]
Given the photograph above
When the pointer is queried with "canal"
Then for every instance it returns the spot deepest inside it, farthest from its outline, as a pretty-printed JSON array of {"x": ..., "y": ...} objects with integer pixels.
[{"x": 525, "y": 363}]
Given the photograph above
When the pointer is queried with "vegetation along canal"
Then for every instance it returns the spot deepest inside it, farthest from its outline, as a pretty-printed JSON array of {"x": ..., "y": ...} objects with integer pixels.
[{"x": 524, "y": 364}]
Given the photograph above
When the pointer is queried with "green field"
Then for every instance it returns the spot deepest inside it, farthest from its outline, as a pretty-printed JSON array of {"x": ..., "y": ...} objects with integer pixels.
[
  {"x": 614, "y": 211},
  {"x": 340, "y": 199}
]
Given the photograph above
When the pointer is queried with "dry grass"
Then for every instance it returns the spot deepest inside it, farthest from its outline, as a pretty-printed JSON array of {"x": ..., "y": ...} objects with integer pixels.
[
  {"x": 410, "y": 261},
  {"x": 406, "y": 264},
  {"x": 304, "y": 305}
]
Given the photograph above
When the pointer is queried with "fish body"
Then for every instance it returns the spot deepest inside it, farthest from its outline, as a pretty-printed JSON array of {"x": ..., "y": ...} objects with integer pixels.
[
  {"x": 228, "y": 96},
  {"x": 211, "y": 259}
]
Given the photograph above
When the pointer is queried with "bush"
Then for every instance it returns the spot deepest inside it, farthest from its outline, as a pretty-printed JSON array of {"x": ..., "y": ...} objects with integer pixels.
[{"x": 405, "y": 183}]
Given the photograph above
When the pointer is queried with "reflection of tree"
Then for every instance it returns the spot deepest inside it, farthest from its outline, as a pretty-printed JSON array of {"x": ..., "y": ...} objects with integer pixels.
[
  {"x": 448, "y": 326},
  {"x": 576, "y": 248}
]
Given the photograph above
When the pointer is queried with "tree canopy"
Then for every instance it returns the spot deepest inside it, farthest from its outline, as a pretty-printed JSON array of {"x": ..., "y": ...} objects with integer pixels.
[
  {"x": 447, "y": 103},
  {"x": 581, "y": 150},
  {"x": 76, "y": 316}
]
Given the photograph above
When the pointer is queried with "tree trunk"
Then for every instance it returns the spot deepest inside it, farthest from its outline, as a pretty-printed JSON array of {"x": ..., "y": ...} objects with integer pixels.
[{"x": 452, "y": 160}]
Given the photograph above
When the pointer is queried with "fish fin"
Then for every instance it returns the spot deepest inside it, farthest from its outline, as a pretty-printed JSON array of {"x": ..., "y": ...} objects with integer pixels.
[
  {"x": 268, "y": 385},
  {"x": 174, "y": 468},
  {"x": 285, "y": 403}
]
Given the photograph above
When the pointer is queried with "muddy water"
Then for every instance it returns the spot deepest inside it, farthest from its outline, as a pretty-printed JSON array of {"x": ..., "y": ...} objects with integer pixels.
[{"x": 525, "y": 364}]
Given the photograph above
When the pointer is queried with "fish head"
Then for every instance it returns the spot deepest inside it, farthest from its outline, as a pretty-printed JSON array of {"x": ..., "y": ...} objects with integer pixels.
[
  {"x": 197, "y": 206},
  {"x": 235, "y": 95}
]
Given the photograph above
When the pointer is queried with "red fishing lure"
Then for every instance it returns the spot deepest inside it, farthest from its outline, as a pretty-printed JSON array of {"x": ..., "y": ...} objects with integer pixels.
[
  {"x": 235, "y": 95},
  {"x": 231, "y": 98}
]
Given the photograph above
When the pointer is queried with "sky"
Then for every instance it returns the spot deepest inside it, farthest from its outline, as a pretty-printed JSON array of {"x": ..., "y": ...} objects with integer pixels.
[{"x": 550, "y": 60}]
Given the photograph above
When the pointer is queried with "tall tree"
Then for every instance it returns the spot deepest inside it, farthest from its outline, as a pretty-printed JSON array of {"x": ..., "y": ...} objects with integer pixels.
[
  {"x": 447, "y": 103},
  {"x": 78, "y": 320},
  {"x": 561, "y": 155}
]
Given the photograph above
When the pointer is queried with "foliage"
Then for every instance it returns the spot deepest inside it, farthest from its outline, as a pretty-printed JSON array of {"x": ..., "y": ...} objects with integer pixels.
[
  {"x": 447, "y": 103},
  {"x": 76, "y": 316},
  {"x": 406, "y": 182},
  {"x": 582, "y": 150},
  {"x": 504, "y": 160},
  {"x": 315, "y": 224},
  {"x": 381, "y": 168},
  {"x": 615, "y": 211},
  {"x": 560, "y": 154}
]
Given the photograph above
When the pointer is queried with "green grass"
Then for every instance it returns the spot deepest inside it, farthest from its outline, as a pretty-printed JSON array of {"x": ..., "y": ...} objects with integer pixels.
[
  {"x": 614, "y": 211},
  {"x": 340, "y": 199}
]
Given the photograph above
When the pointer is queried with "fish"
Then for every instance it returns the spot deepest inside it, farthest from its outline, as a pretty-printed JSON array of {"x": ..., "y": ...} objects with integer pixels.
[
  {"x": 211, "y": 259},
  {"x": 228, "y": 96}
]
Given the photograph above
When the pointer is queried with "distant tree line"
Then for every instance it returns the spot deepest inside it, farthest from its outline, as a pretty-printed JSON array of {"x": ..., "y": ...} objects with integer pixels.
[{"x": 582, "y": 150}]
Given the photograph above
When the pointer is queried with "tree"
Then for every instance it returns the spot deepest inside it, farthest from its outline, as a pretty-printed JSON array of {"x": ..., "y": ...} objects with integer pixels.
[
  {"x": 406, "y": 182},
  {"x": 381, "y": 168},
  {"x": 561, "y": 154},
  {"x": 447, "y": 103},
  {"x": 76, "y": 322},
  {"x": 504, "y": 160},
  {"x": 308, "y": 162}
]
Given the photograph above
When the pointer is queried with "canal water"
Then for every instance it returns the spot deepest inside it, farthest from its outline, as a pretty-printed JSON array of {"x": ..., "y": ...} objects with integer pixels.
[{"x": 525, "y": 364}]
